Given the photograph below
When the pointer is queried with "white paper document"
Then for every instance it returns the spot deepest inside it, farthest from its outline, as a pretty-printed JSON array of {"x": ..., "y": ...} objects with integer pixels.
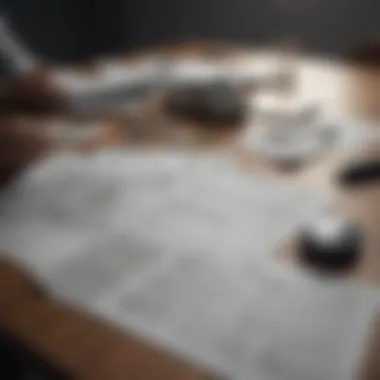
[{"x": 179, "y": 247}]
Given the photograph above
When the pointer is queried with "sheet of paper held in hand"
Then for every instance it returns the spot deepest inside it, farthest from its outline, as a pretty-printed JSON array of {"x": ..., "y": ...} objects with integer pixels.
[{"x": 179, "y": 247}]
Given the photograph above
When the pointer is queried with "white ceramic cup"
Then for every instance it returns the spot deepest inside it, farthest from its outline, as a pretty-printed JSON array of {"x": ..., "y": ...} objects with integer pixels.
[{"x": 288, "y": 130}]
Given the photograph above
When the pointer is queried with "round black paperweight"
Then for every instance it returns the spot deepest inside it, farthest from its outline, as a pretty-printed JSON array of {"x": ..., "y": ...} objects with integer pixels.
[{"x": 330, "y": 244}]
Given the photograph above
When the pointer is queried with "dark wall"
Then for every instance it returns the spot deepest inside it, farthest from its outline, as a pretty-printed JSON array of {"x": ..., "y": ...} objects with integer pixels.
[{"x": 78, "y": 29}]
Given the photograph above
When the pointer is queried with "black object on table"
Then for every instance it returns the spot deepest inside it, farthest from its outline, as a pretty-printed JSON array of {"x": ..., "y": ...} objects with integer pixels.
[
  {"x": 216, "y": 104},
  {"x": 331, "y": 245},
  {"x": 359, "y": 174}
]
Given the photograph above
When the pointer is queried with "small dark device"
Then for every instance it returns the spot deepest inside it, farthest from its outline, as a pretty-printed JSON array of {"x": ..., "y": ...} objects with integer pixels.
[
  {"x": 215, "y": 104},
  {"x": 360, "y": 173}
]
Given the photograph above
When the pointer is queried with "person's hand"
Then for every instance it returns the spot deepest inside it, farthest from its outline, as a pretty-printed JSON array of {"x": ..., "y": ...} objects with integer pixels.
[{"x": 21, "y": 143}]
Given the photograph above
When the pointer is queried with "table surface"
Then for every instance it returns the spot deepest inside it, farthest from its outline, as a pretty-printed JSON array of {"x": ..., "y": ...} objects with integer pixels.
[{"x": 90, "y": 349}]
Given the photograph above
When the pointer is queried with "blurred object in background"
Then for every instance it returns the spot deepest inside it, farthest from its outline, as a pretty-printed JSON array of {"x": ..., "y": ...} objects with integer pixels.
[
  {"x": 221, "y": 94},
  {"x": 26, "y": 87},
  {"x": 365, "y": 86},
  {"x": 288, "y": 132},
  {"x": 17, "y": 58},
  {"x": 30, "y": 93},
  {"x": 34, "y": 90},
  {"x": 21, "y": 143},
  {"x": 216, "y": 104}
]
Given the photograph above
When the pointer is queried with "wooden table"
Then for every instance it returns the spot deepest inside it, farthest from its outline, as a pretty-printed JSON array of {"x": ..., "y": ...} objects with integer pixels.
[{"x": 89, "y": 349}]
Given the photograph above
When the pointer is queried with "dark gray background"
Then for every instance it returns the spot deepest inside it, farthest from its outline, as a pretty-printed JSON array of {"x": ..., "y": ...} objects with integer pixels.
[{"x": 65, "y": 30}]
